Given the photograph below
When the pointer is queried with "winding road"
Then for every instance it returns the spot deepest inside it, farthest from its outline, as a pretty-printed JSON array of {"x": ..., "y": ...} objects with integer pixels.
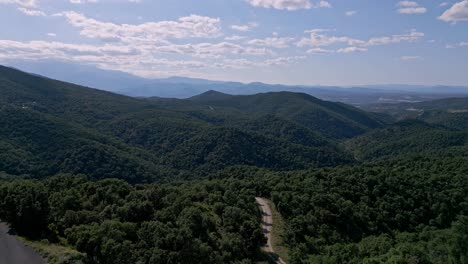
[
  {"x": 13, "y": 251},
  {"x": 267, "y": 225}
]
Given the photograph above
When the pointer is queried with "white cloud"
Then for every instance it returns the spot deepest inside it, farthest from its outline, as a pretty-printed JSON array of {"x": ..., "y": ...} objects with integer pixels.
[
  {"x": 320, "y": 51},
  {"x": 275, "y": 42},
  {"x": 193, "y": 26},
  {"x": 457, "y": 45},
  {"x": 59, "y": 50},
  {"x": 407, "y": 4},
  {"x": 83, "y": 1},
  {"x": 146, "y": 60},
  {"x": 234, "y": 38},
  {"x": 318, "y": 39},
  {"x": 411, "y": 36},
  {"x": 31, "y": 12},
  {"x": 124, "y": 58},
  {"x": 244, "y": 63},
  {"x": 412, "y": 10},
  {"x": 410, "y": 7},
  {"x": 147, "y": 49},
  {"x": 25, "y": 3},
  {"x": 458, "y": 12},
  {"x": 410, "y": 58},
  {"x": 212, "y": 50},
  {"x": 236, "y": 64},
  {"x": 289, "y": 4},
  {"x": 350, "y": 13},
  {"x": 351, "y": 50},
  {"x": 322, "y": 4},
  {"x": 245, "y": 28},
  {"x": 443, "y": 4},
  {"x": 283, "y": 60}
]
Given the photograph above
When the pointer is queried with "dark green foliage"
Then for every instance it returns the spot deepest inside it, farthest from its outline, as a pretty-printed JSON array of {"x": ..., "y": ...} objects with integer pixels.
[
  {"x": 40, "y": 145},
  {"x": 410, "y": 137},
  {"x": 25, "y": 206},
  {"x": 333, "y": 213},
  {"x": 425, "y": 246},
  {"x": 218, "y": 148},
  {"x": 114, "y": 222},
  {"x": 335, "y": 120},
  {"x": 49, "y": 127},
  {"x": 452, "y": 119}
]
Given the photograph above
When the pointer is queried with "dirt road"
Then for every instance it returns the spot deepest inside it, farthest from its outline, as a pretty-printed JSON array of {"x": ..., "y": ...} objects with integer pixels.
[
  {"x": 13, "y": 251},
  {"x": 267, "y": 225}
]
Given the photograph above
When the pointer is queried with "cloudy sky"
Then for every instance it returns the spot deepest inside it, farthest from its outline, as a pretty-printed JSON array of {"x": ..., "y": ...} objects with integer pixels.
[{"x": 335, "y": 42}]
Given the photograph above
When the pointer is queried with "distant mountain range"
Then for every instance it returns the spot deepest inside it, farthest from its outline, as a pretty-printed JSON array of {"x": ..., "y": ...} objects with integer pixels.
[
  {"x": 450, "y": 112},
  {"x": 182, "y": 87}
]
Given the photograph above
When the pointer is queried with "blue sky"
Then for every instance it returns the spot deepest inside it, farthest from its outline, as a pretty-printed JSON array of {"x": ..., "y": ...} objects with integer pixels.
[{"x": 313, "y": 42}]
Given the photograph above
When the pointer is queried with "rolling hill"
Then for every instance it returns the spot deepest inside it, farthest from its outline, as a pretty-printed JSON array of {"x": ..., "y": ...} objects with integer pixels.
[
  {"x": 57, "y": 127},
  {"x": 409, "y": 138},
  {"x": 335, "y": 120}
]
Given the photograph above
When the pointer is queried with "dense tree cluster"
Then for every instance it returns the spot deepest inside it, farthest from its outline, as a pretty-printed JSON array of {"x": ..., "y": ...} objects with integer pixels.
[
  {"x": 114, "y": 222},
  {"x": 409, "y": 138},
  {"x": 384, "y": 212}
]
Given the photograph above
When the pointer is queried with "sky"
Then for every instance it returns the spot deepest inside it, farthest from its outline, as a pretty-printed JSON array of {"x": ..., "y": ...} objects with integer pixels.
[{"x": 309, "y": 42}]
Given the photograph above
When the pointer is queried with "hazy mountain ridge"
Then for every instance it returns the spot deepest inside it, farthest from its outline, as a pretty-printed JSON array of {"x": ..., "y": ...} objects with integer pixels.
[{"x": 183, "y": 87}]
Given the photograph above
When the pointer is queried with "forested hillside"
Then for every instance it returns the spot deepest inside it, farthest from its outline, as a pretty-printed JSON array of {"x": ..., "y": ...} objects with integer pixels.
[
  {"x": 113, "y": 222},
  {"x": 40, "y": 145},
  {"x": 411, "y": 210},
  {"x": 335, "y": 120},
  {"x": 66, "y": 128},
  {"x": 409, "y": 138}
]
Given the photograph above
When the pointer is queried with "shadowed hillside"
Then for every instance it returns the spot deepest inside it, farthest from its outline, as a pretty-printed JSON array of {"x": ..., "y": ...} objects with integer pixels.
[{"x": 56, "y": 127}]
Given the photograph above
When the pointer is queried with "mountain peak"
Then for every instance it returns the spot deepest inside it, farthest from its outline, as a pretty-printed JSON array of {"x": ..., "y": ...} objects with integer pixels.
[{"x": 210, "y": 95}]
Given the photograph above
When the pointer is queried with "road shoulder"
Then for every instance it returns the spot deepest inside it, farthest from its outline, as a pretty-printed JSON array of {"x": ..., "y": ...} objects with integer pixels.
[
  {"x": 268, "y": 225},
  {"x": 14, "y": 251},
  {"x": 278, "y": 232}
]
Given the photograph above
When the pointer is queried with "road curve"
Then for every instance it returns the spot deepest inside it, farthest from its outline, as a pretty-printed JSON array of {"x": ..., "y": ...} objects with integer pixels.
[
  {"x": 267, "y": 226},
  {"x": 13, "y": 251}
]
